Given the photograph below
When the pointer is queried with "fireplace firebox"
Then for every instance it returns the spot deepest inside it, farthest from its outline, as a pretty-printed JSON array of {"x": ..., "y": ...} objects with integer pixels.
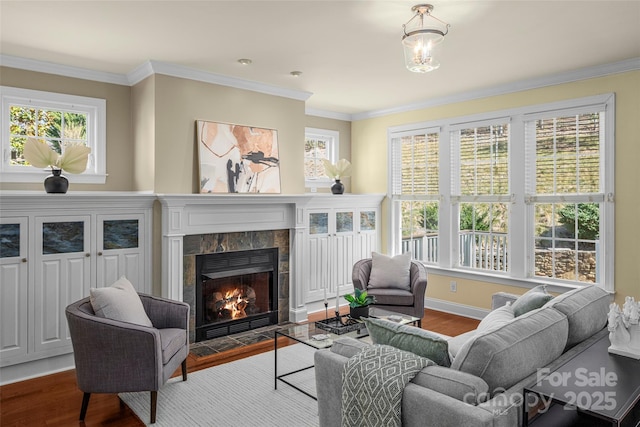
[{"x": 236, "y": 292}]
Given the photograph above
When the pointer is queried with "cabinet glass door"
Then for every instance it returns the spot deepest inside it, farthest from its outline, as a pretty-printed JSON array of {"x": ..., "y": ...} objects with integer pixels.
[
  {"x": 344, "y": 222},
  {"x": 319, "y": 223}
]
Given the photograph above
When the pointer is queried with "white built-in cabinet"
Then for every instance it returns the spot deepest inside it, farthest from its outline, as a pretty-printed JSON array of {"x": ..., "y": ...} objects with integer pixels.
[
  {"x": 53, "y": 250},
  {"x": 346, "y": 230}
]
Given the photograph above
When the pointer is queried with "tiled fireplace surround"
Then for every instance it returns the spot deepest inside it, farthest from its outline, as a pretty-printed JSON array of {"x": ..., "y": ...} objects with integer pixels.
[
  {"x": 240, "y": 241},
  {"x": 198, "y": 224}
]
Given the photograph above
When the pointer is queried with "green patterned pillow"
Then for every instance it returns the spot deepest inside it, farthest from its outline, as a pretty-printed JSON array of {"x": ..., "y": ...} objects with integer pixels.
[
  {"x": 532, "y": 299},
  {"x": 409, "y": 338}
]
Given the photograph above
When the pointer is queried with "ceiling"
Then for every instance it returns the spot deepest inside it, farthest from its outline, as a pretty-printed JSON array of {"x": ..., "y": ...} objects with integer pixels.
[{"x": 349, "y": 51}]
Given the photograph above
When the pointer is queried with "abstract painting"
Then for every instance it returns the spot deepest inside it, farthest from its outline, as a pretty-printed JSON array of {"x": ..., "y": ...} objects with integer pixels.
[{"x": 237, "y": 159}]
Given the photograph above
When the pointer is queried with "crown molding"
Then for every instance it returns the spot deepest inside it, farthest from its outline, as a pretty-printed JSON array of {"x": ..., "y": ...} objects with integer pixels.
[
  {"x": 173, "y": 70},
  {"x": 147, "y": 69},
  {"x": 328, "y": 114},
  {"x": 536, "y": 83},
  {"x": 61, "y": 70}
]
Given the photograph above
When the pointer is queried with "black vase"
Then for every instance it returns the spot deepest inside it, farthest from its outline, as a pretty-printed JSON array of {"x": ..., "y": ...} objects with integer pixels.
[
  {"x": 358, "y": 312},
  {"x": 337, "y": 187},
  {"x": 56, "y": 183}
]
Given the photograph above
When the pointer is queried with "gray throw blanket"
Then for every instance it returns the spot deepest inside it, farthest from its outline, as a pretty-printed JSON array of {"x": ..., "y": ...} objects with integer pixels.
[{"x": 372, "y": 385}]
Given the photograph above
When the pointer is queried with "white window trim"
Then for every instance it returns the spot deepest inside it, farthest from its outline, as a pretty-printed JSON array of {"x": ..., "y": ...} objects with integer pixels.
[
  {"x": 520, "y": 233},
  {"x": 96, "y": 129},
  {"x": 333, "y": 149}
]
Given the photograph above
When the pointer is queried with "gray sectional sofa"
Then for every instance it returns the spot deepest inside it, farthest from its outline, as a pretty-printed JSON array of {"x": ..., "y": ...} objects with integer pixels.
[{"x": 489, "y": 368}]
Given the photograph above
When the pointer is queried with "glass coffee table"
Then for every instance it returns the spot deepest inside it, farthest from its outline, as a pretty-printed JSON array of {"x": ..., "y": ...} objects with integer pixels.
[{"x": 318, "y": 338}]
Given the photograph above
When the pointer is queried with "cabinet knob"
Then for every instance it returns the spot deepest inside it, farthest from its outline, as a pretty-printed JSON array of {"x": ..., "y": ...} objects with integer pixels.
[
  {"x": 99, "y": 253},
  {"x": 23, "y": 260},
  {"x": 87, "y": 254}
]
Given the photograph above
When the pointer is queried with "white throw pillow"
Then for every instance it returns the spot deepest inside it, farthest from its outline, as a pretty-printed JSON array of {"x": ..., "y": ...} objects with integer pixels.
[
  {"x": 120, "y": 302},
  {"x": 390, "y": 272},
  {"x": 496, "y": 318}
]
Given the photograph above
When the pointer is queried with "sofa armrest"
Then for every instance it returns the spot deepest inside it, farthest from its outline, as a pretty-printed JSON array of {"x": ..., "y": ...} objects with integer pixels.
[
  {"x": 329, "y": 367},
  {"x": 348, "y": 347},
  {"x": 502, "y": 298},
  {"x": 459, "y": 385},
  {"x": 166, "y": 313},
  {"x": 360, "y": 274}
]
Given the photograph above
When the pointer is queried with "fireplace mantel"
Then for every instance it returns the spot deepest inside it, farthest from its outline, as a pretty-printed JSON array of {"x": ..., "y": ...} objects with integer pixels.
[{"x": 190, "y": 214}]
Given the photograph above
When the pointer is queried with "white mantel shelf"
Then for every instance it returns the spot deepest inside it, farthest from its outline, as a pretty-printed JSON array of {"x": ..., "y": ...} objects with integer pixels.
[
  {"x": 29, "y": 200},
  {"x": 190, "y": 214}
]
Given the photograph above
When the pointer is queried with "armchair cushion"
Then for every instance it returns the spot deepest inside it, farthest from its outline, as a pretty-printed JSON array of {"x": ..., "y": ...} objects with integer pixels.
[
  {"x": 409, "y": 338},
  {"x": 171, "y": 340},
  {"x": 120, "y": 302},
  {"x": 390, "y": 272}
]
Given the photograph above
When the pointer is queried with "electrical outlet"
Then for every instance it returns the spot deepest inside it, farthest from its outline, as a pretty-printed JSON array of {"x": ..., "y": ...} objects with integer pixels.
[{"x": 453, "y": 286}]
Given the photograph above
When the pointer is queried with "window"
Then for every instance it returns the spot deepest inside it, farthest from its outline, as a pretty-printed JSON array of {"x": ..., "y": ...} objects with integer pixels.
[
  {"x": 481, "y": 188},
  {"x": 416, "y": 192},
  {"x": 520, "y": 195},
  {"x": 57, "y": 118},
  {"x": 319, "y": 144},
  {"x": 566, "y": 193}
]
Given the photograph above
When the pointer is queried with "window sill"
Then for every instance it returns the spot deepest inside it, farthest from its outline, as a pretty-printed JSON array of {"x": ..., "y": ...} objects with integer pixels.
[
  {"x": 505, "y": 280},
  {"x": 39, "y": 176}
]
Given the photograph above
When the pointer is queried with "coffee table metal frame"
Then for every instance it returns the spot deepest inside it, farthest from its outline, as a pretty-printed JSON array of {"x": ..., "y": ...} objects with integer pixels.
[{"x": 303, "y": 333}]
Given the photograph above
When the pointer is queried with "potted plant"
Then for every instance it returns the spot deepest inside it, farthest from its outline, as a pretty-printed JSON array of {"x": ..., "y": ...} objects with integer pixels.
[
  {"x": 359, "y": 303},
  {"x": 73, "y": 160},
  {"x": 336, "y": 172}
]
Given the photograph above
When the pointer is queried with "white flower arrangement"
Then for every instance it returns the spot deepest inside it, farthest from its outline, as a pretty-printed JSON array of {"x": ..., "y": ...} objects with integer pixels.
[
  {"x": 338, "y": 171},
  {"x": 74, "y": 159}
]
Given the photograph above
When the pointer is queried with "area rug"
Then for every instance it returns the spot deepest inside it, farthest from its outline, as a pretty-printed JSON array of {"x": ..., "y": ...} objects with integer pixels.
[{"x": 239, "y": 393}]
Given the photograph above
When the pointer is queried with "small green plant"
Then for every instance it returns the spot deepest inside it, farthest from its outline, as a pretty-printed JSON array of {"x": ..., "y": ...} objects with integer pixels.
[{"x": 359, "y": 298}]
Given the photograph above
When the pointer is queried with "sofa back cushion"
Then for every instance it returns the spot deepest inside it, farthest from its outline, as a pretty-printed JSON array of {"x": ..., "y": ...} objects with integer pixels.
[
  {"x": 586, "y": 309},
  {"x": 503, "y": 356}
]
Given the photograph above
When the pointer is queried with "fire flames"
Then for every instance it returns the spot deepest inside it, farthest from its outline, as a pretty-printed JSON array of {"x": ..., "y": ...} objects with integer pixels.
[
  {"x": 236, "y": 303},
  {"x": 231, "y": 303}
]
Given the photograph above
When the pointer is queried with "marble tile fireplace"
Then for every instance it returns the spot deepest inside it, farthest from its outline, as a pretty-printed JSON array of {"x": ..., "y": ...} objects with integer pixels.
[
  {"x": 198, "y": 224},
  {"x": 235, "y": 282}
]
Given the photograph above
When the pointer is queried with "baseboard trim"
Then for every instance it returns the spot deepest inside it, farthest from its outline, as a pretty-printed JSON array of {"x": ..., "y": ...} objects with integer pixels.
[
  {"x": 36, "y": 368},
  {"x": 455, "y": 308}
]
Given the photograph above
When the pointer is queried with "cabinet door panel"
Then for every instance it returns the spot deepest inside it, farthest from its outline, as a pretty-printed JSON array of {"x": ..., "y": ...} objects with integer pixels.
[
  {"x": 343, "y": 260},
  {"x": 62, "y": 276},
  {"x": 120, "y": 250},
  {"x": 317, "y": 275},
  {"x": 13, "y": 313},
  {"x": 13, "y": 290}
]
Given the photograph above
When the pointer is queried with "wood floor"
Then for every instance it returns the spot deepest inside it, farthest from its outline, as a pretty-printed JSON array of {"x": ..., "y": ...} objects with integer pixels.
[{"x": 54, "y": 400}]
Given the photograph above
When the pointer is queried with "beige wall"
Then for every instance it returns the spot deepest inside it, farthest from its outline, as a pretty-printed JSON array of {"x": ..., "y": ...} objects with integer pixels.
[
  {"x": 143, "y": 146},
  {"x": 119, "y": 158},
  {"x": 369, "y": 153},
  {"x": 180, "y": 102},
  {"x": 344, "y": 152}
]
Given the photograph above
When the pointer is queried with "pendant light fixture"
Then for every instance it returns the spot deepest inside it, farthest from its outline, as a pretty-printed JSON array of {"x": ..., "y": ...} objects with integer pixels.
[{"x": 420, "y": 37}]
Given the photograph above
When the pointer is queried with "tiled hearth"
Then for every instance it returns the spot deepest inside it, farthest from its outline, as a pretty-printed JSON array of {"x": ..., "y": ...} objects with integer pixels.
[
  {"x": 240, "y": 241},
  {"x": 230, "y": 342}
]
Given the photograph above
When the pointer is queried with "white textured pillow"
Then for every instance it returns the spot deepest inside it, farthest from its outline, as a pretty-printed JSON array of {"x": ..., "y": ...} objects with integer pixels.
[
  {"x": 496, "y": 318},
  {"x": 388, "y": 272},
  {"x": 121, "y": 302}
]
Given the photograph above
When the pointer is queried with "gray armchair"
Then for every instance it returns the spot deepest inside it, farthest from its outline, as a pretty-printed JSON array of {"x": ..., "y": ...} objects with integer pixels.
[
  {"x": 115, "y": 357},
  {"x": 407, "y": 302}
]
